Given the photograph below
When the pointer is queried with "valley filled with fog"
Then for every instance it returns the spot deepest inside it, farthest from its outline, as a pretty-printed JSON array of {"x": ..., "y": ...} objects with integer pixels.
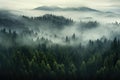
[
  {"x": 53, "y": 43},
  {"x": 56, "y": 25}
]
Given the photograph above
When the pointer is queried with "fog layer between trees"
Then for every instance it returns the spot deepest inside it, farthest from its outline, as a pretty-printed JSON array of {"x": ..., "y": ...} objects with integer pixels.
[
  {"x": 52, "y": 47},
  {"x": 53, "y": 29}
]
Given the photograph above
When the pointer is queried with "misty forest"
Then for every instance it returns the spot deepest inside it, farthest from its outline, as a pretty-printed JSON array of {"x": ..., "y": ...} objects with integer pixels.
[{"x": 53, "y": 43}]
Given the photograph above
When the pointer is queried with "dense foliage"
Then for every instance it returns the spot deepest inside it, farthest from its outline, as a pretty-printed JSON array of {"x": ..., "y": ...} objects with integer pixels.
[{"x": 94, "y": 61}]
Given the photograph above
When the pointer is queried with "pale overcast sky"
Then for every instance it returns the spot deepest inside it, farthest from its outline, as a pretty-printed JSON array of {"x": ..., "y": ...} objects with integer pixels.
[{"x": 30, "y": 4}]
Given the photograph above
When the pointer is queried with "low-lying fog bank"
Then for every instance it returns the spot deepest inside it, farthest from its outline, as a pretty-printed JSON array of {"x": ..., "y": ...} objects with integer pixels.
[{"x": 62, "y": 29}]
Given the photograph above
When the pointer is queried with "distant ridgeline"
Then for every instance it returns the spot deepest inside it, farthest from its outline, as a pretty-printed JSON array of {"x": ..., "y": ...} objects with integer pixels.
[
  {"x": 56, "y": 8},
  {"x": 47, "y": 20},
  {"x": 51, "y": 20}
]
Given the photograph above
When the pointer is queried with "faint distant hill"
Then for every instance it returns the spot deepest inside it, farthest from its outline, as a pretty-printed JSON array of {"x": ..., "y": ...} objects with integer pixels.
[
  {"x": 47, "y": 8},
  {"x": 55, "y": 8}
]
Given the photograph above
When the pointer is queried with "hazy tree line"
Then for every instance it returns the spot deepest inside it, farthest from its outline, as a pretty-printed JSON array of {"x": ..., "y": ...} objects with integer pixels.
[
  {"x": 9, "y": 20},
  {"x": 57, "y": 22}
]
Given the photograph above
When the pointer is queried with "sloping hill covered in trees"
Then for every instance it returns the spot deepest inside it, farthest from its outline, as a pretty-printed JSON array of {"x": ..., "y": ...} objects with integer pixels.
[{"x": 53, "y": 47}]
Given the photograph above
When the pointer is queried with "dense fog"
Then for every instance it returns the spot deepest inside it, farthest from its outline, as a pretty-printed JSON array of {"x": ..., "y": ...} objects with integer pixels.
[{"x": 31, "y": 26}]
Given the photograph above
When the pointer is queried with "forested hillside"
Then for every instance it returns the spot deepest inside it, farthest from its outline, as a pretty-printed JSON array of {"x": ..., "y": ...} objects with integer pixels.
[
  {"x": 52, "y": 47},
  {"x": 98, "y": 60}
]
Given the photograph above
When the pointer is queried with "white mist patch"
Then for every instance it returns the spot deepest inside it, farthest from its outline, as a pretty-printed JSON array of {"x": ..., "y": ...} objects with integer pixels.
[
  {"x": 109, "y": 31},
  {"x": 70, "y": 30}
]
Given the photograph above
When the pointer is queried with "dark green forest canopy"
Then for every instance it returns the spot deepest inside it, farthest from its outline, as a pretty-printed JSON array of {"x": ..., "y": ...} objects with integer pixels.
[{"x": 94, "y": 61}]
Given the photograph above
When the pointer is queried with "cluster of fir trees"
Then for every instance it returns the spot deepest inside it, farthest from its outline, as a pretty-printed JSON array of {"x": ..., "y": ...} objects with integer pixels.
[{"x": 98, "y": 60}]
